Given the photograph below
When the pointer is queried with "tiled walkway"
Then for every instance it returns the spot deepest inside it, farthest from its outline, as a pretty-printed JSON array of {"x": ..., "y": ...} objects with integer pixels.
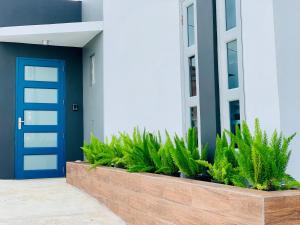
[{"x": 50, "y": 202}]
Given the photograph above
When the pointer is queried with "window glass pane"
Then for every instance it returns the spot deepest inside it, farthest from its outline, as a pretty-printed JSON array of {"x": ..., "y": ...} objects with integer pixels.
[
  {"x": 192, "y": 71},
  {"x": 35, "y": 73},
  {"x": 40, "y": 117},
  {"x": 34, "y": 95},
  {"x": 232, "y": 65},
  {"x": 234, "y": 110},
  {"x": 194, "y": 119},
  {"x": 230, "y": 14},
  {"x": 190, "y": 25},
  {"x": 40, "y": 162},
  {"x": 92, "y": 70},
  {"x": 40, "y": 140}
]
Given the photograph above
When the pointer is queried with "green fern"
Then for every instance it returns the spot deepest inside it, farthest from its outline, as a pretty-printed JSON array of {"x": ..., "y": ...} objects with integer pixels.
[
  {"x": 162, "y": 158},
  {"x": 186, "y": 155},
  {"x": 258, "y": 162},
  {"x": 224, "y": 169},
  {"x": 137, "y": 155},
  {"x": 105, "y": 154},
  {"x": 263, "y": 162}
]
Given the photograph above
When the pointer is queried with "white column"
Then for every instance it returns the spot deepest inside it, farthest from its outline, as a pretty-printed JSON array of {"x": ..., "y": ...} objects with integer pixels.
[{"x": 259, "y": 62}]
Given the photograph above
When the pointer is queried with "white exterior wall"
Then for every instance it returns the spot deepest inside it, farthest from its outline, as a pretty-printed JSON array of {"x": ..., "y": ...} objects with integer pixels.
[
  {"x": 259, "y": 64},
  {"x": 270, "y": 59},
  {"x": 142, "y": 84},
  {"x": 286, "y": 15}
]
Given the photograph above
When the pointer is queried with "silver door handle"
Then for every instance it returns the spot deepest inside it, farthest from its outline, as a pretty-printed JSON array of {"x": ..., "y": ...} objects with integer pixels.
[{"x": 20, "y": 121}]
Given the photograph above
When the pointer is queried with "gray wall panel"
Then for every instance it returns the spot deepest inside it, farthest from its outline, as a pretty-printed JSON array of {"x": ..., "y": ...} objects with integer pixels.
[
  {"x": 92, "y": 10},
  {"x": 93, "y": 94},
  {"x": 32, "y": 12},
  {"x": 74, "y": 120},
  {"x": 208, "y": 73}
]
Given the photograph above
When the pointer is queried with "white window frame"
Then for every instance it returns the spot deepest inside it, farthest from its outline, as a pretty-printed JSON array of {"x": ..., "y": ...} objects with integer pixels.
[
  {"x": 187, "y": 52},
  {"x": 225, "y": 36}
]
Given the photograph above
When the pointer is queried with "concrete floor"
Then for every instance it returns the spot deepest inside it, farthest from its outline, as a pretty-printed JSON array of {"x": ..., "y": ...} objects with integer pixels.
[{"x": 50, "y": 202}]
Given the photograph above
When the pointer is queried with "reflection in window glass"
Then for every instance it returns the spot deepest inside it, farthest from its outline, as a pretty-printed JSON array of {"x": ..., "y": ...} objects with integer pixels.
[
  {"x": 232, "y": 65},
  {"x": 230, "y": 14},
  {"x": 37, "y": 95},
  {"x": 35, "y": 73},
  {"x": 235, "y": 118},
  {"x": 194, "y": 119},
  {"x": 34, "y": 117},
  {"x": 40, "y": 140},
  {"x": 190, "y": 25},
  {"x": 192, "y": 78},
  {"x": 92, "y": 70},
  {"x": 40, "y": 162}
]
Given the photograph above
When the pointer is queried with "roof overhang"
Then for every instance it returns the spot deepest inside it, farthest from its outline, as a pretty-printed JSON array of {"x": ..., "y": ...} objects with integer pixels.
[{"x": 63, "y": 34}]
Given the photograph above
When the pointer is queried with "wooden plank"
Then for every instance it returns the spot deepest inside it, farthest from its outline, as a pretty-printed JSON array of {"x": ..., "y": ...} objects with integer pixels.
[
  {"x": 147, "y": 199},
  {"x": 283, "y": 210}
]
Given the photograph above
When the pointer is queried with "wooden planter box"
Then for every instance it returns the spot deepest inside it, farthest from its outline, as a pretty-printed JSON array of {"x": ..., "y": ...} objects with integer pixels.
[{"x": 150, "y": 199}]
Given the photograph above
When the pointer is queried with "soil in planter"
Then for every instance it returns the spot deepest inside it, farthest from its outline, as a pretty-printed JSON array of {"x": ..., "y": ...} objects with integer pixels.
[{"x": 201, "y": 177}]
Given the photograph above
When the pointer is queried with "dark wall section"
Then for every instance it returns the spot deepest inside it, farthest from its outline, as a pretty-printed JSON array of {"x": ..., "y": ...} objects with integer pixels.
[
  {"x": 208, "y": 73},
  {"x": 74, "y": 120},
  {"x": 32, "y": 12}
]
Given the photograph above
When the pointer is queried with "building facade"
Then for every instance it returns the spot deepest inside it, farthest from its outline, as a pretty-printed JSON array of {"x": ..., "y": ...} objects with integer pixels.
[{"x": 72, "y": 68}]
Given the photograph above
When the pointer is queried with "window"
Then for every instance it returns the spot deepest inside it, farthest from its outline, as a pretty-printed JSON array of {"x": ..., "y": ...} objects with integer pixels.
[
  {"x": 194, "y": 119},
  {"x": 190, "y": 75},
  {"x": 230, "y": 14},
  {"x": 193, "y": 79},
  {"x": 36, "y": 73},
  {"x": 232, "y": 65},
  {"x": 234, "y": 111},
  {"x": 230, "y": 57},
  {"x": 190, "y": 25},
  {"x": 92, "y": 70}
]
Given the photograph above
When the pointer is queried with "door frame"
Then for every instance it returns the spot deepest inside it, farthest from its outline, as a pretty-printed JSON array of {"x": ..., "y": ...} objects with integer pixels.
[{"x": 61, "y": 161}]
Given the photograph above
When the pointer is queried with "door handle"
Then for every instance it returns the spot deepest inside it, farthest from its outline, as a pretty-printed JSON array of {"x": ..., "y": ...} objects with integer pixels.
[{"x": 20, "y": 121}]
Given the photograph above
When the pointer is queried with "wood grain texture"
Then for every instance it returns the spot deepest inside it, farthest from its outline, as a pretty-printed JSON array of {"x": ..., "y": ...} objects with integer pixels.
[{"x": 151, "y": 199}]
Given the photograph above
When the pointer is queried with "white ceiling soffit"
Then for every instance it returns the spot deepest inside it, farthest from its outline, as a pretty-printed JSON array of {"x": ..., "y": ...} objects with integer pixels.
[{"x": 63, "y": 34}]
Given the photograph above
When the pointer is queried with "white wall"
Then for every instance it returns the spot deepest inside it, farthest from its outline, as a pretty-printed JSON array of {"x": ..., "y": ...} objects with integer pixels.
[
  {"x": 142, "y": 65},
  {"x": 259, "y": 60},
  {"x": 288, "y": 51},
  {"x": 271, "y": 68}
]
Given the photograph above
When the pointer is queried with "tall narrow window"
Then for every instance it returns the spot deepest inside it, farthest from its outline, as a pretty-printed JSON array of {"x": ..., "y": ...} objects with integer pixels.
[
  {"x": 190, "y": 25},
  {"x": 230, "y": 6},
  {"x": 190, "y": 60},
  {"x": 234, "y": 110},
  {"x": 232, "y": 65},
  {"x": 92, "y": 70},
  {"x": 192, "y": 73},
  {"x": 231, "y": 77}
]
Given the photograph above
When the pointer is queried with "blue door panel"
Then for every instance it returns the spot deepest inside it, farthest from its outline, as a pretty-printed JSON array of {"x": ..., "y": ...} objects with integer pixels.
[{"x": 21, "y": 106}]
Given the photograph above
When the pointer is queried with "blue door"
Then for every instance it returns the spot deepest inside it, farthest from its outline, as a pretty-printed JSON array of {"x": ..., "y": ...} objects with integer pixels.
[{"x": 39, "y": 119}]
